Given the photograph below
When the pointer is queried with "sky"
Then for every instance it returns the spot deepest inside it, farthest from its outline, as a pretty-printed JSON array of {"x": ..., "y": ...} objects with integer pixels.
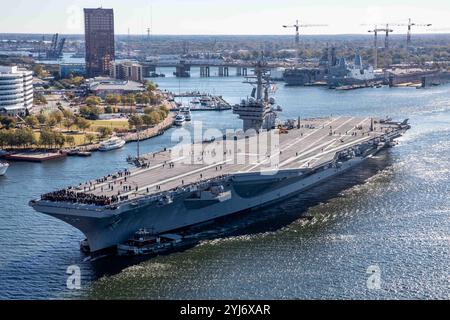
[{"x": 233, "y": 17}]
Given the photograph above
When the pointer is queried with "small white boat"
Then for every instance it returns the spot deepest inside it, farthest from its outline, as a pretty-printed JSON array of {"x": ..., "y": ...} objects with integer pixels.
[
  {"x": 205, "y": 101},
  {"x": 3, "y": 168},
  {"x": 112, "y": 144},
  {"x": 186, "y": 112},
  {"x": 179, "y": 119}
]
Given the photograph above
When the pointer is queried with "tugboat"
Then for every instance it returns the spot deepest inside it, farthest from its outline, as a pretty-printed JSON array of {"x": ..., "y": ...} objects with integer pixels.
[
  {"x": 3, "y": 168},
  {"x": 145, "y": 242}
]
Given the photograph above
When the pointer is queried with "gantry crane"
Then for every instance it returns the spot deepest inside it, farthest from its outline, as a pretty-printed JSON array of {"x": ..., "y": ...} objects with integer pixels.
[{"x": 297, "y": 27}]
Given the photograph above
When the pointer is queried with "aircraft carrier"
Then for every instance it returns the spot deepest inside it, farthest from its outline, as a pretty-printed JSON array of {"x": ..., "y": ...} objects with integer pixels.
[{"x": 198, "y": 182}]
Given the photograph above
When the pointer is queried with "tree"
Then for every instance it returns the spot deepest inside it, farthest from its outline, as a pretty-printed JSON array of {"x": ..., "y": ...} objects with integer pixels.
[
  {"x": 57, "y": 115},
  {"x": 90, "y": 137},
  {"x": 76, "y": 81},
  {"x": 60, "y": 139},
  {"x": 70, "y": 140},
  {"x": 108, "y": 109},
  {"x": 68, "y": 123},
  {"x": 39, "y": 71},
  {"x": 82, "y": 123},
  {"x": 152, "y": 87},
  {"x": 148, "y": 110},
  {"x": 31, "y": 121},
  {"x": 162, "y": 114},
  {"x": 67, "y": 113},
  {"x": 39, "y": 99},
  {"x": 47, "y": 138},
  {"x": 142, "y": 98},
  {"x": 164, "y": 108},
  {"x": 24, "y": 137},
  {"x": 112, "y": 99},
  {"x": 92, "y": 101},
  {"x": 135, "y": 121},
  {"x": 129, "y": 99},
  {"x": 105, "y": 131},
  {"x": 9, "y": 137},
  {"x": 152, "y": 118},
  {"x": 42, "y": 118},
  {"x": 51, "y": 122},
  {"x": 3, "y": 138},
  {"x": 7, "y": 122},
  {"x": 163, "y": 111},
  {"x": 90, "y": 112},
  {"x": 146, "y": 119}
]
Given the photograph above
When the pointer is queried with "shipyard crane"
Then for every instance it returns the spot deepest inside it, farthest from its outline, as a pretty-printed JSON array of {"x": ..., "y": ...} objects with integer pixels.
[
  {"x": 297, "y": 27},
  {"x": 56, "y": 47},
  {"x": 409, "y": 25},
  {"x": 375, "y": 31}
]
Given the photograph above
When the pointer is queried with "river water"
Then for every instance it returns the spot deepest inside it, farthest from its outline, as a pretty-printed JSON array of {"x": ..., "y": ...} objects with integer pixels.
[{"x": 391, "y": 215}]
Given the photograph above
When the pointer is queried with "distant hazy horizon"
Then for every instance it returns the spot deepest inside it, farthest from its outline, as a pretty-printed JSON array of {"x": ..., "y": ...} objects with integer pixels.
[
  {"x": 265, "y": 37},
  {"x": 232, "y": 17}
]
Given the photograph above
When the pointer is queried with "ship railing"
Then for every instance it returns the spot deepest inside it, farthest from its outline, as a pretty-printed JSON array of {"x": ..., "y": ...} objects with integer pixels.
[{"x": 199, "y": 186}]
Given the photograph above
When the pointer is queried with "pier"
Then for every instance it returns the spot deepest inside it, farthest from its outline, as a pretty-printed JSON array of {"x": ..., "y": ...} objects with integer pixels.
[
  {"x": 205, "y": 101},
  {"x": 37, "y": 156}
]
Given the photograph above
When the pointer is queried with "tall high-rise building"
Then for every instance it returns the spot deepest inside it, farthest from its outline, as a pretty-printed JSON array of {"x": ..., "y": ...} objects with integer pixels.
[{"x": 99, "y": 36}]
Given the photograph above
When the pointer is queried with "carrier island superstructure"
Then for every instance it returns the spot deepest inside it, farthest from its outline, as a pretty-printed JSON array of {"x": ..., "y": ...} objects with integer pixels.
[{"x": 173, "y": 190}]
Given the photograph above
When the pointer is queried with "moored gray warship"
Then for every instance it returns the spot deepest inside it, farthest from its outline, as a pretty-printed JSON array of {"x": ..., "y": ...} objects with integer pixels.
[{"x": 198, "y": 182}]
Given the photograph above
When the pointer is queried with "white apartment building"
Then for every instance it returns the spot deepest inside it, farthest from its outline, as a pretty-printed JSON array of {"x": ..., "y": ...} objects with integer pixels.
[{"x": 16, "y": 91}]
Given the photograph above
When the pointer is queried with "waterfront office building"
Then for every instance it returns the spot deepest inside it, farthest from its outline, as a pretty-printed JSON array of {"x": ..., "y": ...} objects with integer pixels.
[
  {"x": 16, "y": 91},
  {"x": 127, "y": 70},
  {"x": 99, "y": 36}
]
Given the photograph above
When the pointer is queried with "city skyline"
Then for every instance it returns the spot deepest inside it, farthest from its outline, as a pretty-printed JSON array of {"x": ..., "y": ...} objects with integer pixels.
[{"x": 175, "y": 17}]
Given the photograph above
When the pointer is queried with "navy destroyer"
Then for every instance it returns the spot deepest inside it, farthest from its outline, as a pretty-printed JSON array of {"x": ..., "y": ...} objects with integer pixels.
[{"x": 177, "y": 188}]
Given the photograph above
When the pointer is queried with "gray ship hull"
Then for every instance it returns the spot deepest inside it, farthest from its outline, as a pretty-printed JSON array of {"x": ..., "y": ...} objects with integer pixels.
[{"x": 107, "y": 228}]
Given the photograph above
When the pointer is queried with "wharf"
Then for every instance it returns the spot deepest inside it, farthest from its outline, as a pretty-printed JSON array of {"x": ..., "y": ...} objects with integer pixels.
[
  {"x": 35, "y": 156},
  {"x": 205, "y": 108}
]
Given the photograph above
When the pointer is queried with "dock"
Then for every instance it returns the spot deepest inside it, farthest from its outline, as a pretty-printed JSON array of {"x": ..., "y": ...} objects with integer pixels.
[
  {"x": 35, "y": 156},
  {"x": 203, "y": 101}
]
